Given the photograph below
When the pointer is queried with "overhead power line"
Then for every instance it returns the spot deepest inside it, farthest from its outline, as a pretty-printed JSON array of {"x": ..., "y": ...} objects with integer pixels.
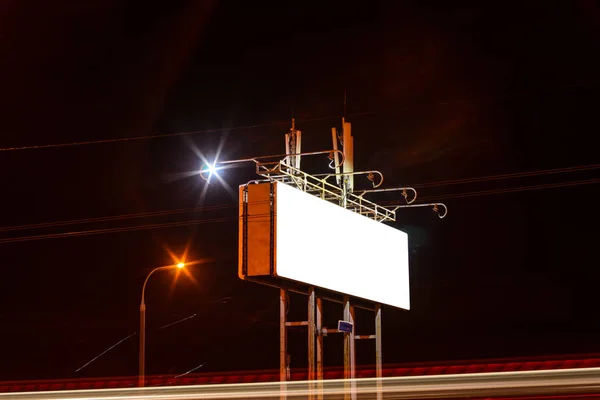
[
  {"x": 116, "y": 230},
  {"x": 159, "y": 213},
  {"x": 511, "y": 190},
  {"x": 133, "y": 138},
  {"x": 266, "y": 124},
  {"x": 234, "y": 218},
  {"x": 507, "y": 176},
  {"x": 164, "y": 213},
  {"x": 168, "y": 135}
]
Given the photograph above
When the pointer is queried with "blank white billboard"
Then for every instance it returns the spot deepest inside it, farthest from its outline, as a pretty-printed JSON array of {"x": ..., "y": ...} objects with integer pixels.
[{"x": 306, "y": 239}]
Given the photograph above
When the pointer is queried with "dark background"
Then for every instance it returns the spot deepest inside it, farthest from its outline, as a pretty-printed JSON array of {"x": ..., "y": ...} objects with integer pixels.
[{"x": 436, "y": 90}]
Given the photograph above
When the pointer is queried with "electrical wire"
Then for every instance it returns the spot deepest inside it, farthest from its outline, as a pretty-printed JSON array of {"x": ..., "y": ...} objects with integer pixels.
[
  {"x": 512, "y": 190},
  {"x": 234, "y": 218},
  {"x": 259, "y": 125},
  {"x": 159, "y": 213},
  {"x": 132, "y": 138},
  {"x": 516, "y": 189},
  {"x": 507, "y": 176},
  {"x": 115, "y": 230},
  {"x": 268, "y": 124},
  {"x": 168, "y": 135},
  {"x": 163, "y": 213},
  {"x": 125, "y": 229}
]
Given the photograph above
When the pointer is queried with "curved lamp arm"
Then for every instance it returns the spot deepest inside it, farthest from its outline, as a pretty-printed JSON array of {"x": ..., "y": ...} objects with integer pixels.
[
  {"x": 142, "y": 303},
  {"x": 370, "y": 176},
  {"x": 436, "y": 208},
  {"x": 404, "y": 191}
]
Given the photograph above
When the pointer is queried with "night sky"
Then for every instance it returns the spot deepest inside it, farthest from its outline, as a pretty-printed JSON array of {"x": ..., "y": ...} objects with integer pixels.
[{"x": 436, "y": 91}]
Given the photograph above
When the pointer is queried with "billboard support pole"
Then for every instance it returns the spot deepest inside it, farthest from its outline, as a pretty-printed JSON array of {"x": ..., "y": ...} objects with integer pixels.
[
  {"x": 314, "y": 322},
  {"x": 378, "y": 352},
  {"x": 292, "y": 149},
  {"x": 319, "y": 323},
  {"x": 349, "y": 355},
  {"x": 312, "y": 336},
  {"x": 283, "y": 306},
  {"x": 316, "y": 332}
]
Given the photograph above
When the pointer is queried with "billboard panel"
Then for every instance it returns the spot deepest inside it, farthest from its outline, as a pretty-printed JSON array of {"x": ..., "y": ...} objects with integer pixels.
[{"x": 315, "y": 242}]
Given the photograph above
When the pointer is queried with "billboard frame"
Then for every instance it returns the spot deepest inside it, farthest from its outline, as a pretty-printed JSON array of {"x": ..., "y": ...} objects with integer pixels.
[
  {"x": 260, "y": 217},
  {"x": 287, "y": 171}
]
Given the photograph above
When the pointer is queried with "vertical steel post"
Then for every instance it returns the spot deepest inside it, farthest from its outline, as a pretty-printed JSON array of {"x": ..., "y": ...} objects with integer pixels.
[
  {"x": 349, "y": 355},
  {"x": 378, "y": 352},
  {"x": 319, "y": 349},
  {"x": 312, "y": 336},
  {"x": 283, "y": 306},
  {"x": 142, "y": 350}
]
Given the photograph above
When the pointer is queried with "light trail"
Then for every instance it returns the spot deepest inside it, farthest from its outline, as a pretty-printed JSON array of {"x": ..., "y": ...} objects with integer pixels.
[
  {"x": 481, "y": 385},
  {"x": 178, "y": 321},
  {"x": 104, "y": 352},
  {"x": 191, "y": 370}
]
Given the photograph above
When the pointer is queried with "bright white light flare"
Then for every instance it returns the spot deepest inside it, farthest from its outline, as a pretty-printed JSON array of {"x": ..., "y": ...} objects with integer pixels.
[{"x": 208, "y": 170}]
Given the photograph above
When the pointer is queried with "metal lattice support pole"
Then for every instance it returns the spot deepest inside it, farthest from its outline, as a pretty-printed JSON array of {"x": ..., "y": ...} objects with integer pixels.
[
  {"x": 349, "y": 354},
  {"x": 283, "y": 306},
  {"x": 378, "y": 352}
]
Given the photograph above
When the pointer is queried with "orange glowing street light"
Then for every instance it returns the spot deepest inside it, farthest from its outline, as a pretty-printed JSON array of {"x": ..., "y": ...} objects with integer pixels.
[{"x": 142, "y": 355}]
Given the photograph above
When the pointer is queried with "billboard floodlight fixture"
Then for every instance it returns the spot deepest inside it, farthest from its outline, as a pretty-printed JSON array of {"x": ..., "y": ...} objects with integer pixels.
[
  {"x": 371, "y": 175},
  {"x": 404, "y": 190},
  {"x": 439, "y": 208}
]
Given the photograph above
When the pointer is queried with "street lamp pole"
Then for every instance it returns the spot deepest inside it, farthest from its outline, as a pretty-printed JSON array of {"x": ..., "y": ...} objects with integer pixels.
[{"x": 142, "y": 355}]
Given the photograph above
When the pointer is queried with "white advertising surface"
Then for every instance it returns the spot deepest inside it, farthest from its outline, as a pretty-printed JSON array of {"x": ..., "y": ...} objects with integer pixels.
[{"x": 322, "y": 244}]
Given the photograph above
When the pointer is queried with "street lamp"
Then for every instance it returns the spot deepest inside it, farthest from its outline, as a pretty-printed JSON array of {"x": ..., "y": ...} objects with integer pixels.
[{"x": 142, "y": 355}]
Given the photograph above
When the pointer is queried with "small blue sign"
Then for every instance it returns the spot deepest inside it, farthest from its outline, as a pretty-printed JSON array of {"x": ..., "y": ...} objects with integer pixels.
[{"x": 345, "y": 326}]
